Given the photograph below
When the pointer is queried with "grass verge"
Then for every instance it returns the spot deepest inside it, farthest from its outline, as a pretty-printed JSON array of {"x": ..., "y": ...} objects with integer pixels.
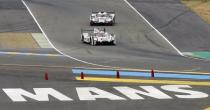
[{"x": 200, "y": 7}]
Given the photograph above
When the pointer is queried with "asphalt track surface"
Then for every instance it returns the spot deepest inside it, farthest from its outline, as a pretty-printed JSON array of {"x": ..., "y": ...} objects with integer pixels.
[
  {"x": 58, "y": 18},
  {"x": 134, "y": 37},
  {"x": 61, "y": 80},
  {"x": 186, "y": 30},
  {"x": 138, "y": 45},
  {"x": 15, "y": 17}
]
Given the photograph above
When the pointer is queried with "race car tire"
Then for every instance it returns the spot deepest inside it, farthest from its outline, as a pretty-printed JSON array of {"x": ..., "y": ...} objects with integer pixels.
[
  {"x": 92, "y": 42},
  {"x": 113, "y": 42},
  {"x": 91, "y": 23},
  {"x": 113, "y": 22},
  {"x": 82, "y": 39},
  {"x": 110, "y": 23}
]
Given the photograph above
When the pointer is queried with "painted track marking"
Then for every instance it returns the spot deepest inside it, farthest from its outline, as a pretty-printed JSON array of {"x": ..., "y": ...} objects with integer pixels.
[
  {"x": 144, "y": 81},
  {"x": 139, "y": 70},
  {"x": 143, "y": 74},
  {"x": 35, "y": 54}
]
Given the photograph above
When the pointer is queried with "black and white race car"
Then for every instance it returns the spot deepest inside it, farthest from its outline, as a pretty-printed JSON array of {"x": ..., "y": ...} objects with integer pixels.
[
  {"x": 97, "y": 36},
  {"x": 102, "y": 18}
]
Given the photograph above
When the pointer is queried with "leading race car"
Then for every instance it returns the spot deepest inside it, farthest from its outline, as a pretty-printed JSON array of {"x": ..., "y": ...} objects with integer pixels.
[
  {"x": 102, "y": 18},
  {"x": 97, "y": 36}
]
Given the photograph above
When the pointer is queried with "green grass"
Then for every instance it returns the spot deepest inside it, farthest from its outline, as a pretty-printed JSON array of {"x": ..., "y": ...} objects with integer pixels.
[{"x": 204, "y": 55}]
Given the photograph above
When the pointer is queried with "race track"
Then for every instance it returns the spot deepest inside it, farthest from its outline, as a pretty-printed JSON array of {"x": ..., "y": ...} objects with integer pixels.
[
  {"x": 137, "y": 43},
  {"x": 62, "y": 24},
  {"x": 184, "y": 28},
  {"x": 139, "y": 46}
]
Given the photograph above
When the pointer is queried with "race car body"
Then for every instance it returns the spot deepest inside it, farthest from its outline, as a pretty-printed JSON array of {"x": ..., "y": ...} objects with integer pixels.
[
  {"x": 97, "y": 36},
  {"x": 102, "y": 18}
]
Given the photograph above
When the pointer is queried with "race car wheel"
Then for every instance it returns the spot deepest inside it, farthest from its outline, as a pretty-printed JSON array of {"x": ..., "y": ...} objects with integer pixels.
[
  {"x": 92, "y": 42},
  {"x": 82, "y": 39},
  {"x": 113, "y": 22},
  {"x": 114, "y": 42},
  {"x": 91, "y": 23}
]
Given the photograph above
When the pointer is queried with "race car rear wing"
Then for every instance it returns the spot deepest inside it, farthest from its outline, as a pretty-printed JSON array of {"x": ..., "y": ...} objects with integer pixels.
[
  {"x": 111, "y": 12},
  {"x": 91, "y": 30}
]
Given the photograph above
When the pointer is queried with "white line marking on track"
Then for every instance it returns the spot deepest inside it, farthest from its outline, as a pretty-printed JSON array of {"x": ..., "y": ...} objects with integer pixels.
[
  {"x": 54, "y": 46},
  {"x": 179, "y": 52},
  {"x": 21, "y": 53},
  {"x": 43, "y": 66}
]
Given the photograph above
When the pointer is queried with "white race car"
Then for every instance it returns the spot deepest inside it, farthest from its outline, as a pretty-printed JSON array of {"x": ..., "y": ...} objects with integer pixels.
[
  {"x": 97, "y": 36},
  {"x": 101, "y": 17}
]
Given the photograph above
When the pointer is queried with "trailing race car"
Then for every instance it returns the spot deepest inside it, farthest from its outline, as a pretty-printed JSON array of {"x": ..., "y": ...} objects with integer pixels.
[
  {"x": 101, "y": 17},
  {"x": 97, "y": 36}
]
